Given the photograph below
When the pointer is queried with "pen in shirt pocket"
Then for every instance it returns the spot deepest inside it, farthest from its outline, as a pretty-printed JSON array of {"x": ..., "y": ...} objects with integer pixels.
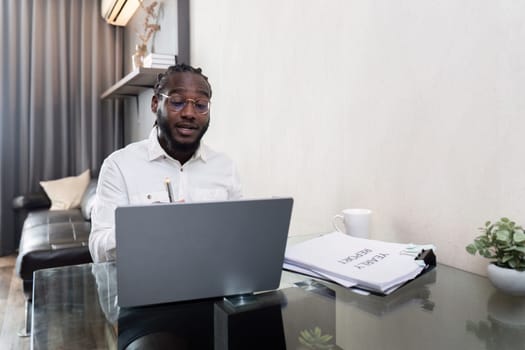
[{"x": 168, "y": 188}]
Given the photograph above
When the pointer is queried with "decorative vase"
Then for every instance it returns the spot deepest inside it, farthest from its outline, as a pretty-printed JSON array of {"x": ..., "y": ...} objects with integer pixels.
[
  {"x": 509, "y": 281},
  {"x": 138, "y": 56}
]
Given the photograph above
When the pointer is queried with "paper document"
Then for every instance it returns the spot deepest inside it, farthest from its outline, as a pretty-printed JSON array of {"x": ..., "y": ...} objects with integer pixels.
[
  {"x": 373, "y": 265},
  {"x": 326, "y": 277}
]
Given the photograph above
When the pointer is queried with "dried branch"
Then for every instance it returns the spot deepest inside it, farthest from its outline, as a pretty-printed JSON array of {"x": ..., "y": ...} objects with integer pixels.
[{"x": 150, "y": 26}]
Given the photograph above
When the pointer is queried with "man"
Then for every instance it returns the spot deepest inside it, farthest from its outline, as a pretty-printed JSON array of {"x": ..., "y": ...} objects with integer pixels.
[{"x": 171, "y": 165}]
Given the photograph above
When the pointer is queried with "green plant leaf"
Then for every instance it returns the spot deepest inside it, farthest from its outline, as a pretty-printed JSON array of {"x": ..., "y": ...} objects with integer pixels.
[
  {"x": 471, "y": 249},
  {"x": 506, "y": 258},
  {"x": 518, "y": 249},
  {"x": 503, "y": 236},
  {"x": 512, "y": 263},
  {"x": 487, "y": 254},
  {"x": 505, "y": 220},
  {"x": 305, "y": 334},
  {"x": 305, "y": 343},
  {"x": 326, "y": 338},
  {"x": 317, "y": 332},
  {"x": 484, "y": 240},
  {"x": 481, "y": 242},
  {"x": 519, "y": 236}
]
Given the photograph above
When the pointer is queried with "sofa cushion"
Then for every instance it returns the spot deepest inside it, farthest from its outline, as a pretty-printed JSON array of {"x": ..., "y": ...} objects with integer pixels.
[
  {"x": 44, "y": 217},
  {"x": 66, "y": 193},
  {"x": 45, "y": 259},
  {"x": 53, "y": 242}
]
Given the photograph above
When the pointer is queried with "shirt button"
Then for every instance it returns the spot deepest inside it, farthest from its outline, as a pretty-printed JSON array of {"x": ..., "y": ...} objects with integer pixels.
[{"x": 148, "y": 196}]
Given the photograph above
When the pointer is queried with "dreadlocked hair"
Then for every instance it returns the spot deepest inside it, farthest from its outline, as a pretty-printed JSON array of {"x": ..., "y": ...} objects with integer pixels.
[{"x": 162, "y": 78}]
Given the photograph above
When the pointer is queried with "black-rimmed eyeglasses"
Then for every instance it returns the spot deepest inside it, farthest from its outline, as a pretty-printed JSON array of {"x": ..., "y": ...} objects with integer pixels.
[{"x": 177, "y": 103}]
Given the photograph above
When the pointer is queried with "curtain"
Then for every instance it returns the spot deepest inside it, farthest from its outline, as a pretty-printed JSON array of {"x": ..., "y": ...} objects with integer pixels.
[{"x": 58, "y": 56}]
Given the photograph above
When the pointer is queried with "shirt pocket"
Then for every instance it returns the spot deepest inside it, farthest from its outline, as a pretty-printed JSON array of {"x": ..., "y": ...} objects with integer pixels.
[
  {"x": 150, "y": 198},
  {"x": 208, "y": 194}
]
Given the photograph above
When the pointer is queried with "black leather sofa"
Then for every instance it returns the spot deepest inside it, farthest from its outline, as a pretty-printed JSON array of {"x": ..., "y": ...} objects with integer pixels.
[{"x": 50, "y": 238}]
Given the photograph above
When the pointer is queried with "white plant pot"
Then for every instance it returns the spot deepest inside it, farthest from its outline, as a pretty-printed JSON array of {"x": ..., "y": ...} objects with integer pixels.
[{"x": 508, "y": 281}]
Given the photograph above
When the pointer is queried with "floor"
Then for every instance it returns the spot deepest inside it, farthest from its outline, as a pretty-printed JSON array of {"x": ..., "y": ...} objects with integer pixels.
[{"x": 11, "y": 306}]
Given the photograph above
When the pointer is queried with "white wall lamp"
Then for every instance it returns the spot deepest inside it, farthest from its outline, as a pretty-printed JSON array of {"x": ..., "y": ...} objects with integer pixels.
[{"x": 118, "y": 12}]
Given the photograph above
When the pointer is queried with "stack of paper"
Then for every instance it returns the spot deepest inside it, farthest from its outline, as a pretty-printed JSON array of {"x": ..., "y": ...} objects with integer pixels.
[
  {"x": 372, "y": 265},
  {"x": 159, "y": 60}
]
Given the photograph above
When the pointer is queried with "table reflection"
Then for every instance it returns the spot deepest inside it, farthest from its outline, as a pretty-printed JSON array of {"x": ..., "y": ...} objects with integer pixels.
[
  {"x": 504, "y": 328},
  {"x": 76, "y": 307},
  {"x": 416, "y": 292},
  {"x": 249, "y": 322},
  {"x": 310, "y": 315}
]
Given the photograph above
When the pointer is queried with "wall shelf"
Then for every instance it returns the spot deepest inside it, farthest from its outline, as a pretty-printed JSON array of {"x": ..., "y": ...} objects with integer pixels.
[{"x": 134, "y": 83}]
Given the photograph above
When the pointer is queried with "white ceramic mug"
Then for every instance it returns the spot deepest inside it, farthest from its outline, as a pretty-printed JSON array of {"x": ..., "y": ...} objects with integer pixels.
[{"x": 356, "y": 222}]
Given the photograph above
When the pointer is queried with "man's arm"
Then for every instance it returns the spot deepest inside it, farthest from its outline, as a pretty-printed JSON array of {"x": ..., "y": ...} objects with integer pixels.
[{"x": 111, "y": 193}]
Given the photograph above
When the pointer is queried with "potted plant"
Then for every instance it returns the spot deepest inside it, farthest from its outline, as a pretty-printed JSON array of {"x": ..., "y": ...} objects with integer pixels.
[{"x": 504, "y": 243}]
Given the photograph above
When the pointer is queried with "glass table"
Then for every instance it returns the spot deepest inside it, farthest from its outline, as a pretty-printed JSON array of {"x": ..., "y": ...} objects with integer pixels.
[{"x": 75, "y": 308}]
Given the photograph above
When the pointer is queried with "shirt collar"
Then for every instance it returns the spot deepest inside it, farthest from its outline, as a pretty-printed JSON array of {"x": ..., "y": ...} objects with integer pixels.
[{"x": 156, "y": 151}]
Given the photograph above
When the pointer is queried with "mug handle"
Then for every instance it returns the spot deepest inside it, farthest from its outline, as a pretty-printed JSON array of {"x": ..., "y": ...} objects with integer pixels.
[{"x": 338, "y": 218}]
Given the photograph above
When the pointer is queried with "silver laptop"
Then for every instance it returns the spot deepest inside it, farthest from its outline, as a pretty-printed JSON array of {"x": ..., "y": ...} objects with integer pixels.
[{"x": 176, "y": 252}]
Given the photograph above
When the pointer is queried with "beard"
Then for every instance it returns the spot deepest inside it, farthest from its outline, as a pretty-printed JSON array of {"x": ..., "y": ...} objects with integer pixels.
[{"x": 169, "y": 139}]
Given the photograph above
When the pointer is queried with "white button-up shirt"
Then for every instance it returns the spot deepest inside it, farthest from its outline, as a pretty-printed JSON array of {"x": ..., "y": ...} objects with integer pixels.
[{"x": 137, "y": 175}]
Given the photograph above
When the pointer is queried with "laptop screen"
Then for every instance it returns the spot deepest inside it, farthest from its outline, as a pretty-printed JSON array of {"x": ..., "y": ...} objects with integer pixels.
[{"x": 186, "y": 251}]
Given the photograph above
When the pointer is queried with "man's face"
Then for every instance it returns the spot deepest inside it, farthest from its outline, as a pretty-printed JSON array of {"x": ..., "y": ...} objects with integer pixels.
[{"x": 182, "y": 130}]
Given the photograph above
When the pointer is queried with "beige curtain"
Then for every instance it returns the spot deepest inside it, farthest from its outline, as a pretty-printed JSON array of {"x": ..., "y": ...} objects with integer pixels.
[{"x": 57, "y": 57}]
